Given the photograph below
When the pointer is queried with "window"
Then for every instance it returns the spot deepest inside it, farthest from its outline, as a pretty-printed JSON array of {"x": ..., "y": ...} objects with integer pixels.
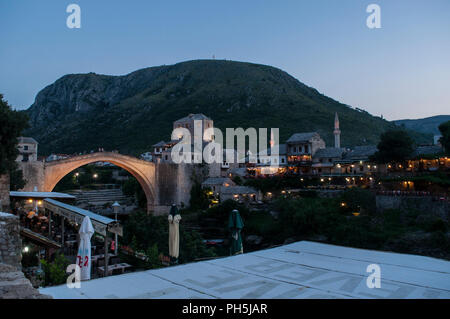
[
  {"x": 361, "y": 168},
  {"x": 282, "y": 160},
  {"x": 25, "y": 158},
  {"x": 330, "y": 160},
  {"x": 25, "y": 147},
  {"x": 306, "y": 149}
]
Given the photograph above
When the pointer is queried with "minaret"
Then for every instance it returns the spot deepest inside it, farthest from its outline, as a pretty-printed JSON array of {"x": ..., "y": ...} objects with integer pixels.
[{"x": 337, "y": 132}]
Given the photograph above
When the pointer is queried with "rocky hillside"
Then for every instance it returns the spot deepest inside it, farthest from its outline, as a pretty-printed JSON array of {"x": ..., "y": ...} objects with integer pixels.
[
  {"x": 428, "y": 125},
  {"x": 86, "y": 111}
]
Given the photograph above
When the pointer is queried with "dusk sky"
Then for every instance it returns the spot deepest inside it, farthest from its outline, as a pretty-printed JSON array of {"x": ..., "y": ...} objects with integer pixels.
[{"x": 400, "y": 71}]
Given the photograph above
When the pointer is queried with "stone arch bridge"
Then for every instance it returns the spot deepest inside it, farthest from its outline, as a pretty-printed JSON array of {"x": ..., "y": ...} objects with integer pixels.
[{"x": 163, "y": 183}]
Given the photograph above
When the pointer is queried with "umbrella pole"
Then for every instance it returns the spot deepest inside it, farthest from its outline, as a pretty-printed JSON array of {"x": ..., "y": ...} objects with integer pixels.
[{"x": 106, "y": 255}]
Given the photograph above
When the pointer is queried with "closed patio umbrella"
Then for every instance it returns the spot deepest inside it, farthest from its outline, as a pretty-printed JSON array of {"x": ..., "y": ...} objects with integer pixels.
[
  {"x": 235, "y": 225},
  {"x": 84, "y": 250},
  {"x": 174, "y": 234}
]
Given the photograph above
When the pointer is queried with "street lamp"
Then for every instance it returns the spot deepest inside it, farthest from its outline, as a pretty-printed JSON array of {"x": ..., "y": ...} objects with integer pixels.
[{"x": 116, "y": 206}]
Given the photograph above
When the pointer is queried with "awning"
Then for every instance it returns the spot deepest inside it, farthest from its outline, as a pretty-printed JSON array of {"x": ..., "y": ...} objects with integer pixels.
[
  {"x": 39, "y": 239},
  {"x": 41, "y": 195},
  {"x": 75, "y": 214}
]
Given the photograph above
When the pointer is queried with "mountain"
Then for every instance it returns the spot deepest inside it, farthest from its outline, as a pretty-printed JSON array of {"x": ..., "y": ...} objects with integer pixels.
[
  {"x": 129, "y": 113},
  {"x": 426, "y": 125}
]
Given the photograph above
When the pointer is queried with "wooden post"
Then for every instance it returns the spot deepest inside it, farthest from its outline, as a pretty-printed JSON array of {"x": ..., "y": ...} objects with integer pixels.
[
  {"x": 62, "y": 231},
  {"x": 106, "y": 255},
  {"x": 49, "y": 223}
]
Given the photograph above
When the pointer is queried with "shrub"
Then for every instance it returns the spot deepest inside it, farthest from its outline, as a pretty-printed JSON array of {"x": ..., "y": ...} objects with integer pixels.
[{"x": 55, "y": 272}]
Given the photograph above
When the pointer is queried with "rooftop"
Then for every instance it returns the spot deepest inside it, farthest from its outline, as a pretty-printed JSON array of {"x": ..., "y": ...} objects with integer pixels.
[
  {"x": 27, "y": 140},
  {"x": 217, "y": 181},
  {"x": 40, "y": 195},
  {"x": 329, "y": 152},
  {"x": 190, "y": 117},
  {"x": 360, "y": 152},
  {"x": 302, "y": 137},
  {"x": 427, "y": 150},
  {"x": 300, "y": 270}
]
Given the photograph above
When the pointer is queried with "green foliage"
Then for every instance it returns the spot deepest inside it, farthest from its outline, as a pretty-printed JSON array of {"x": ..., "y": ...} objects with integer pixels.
[
  {"x": 238, "y": 180},
  {"x": 357, "y": 199},
  {"x": 199, "y": 197},
  {"x": 394, "y": 146},
  {"x": 278, "y": 183},
  {"x": 16, "y": 179},
  {"x": 55, "y": 271},
  {"x": 131, "y": 187},
  {"x": 153, "y": 256},
  {"x": 12, "y": 123},
  {"x": 150, "y": 234},
  {"x": 445, "y": 139}
]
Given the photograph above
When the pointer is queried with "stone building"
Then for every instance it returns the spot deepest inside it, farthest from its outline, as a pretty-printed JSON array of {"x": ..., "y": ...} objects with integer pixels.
[
  {"x": 301, "y": 147},
  {"x": 196, "y": 124},
  {"x": 323, "y": 161},
  {"x": 28, "y": 149}
]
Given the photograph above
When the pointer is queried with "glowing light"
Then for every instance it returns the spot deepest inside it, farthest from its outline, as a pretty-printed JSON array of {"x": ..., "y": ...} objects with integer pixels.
[
  {"x": 321, "y": 179},
  {"x": 95, "y": 175},
  {"x": 26, "y": 249},
  {"x": 39, "y": 202},
  {"x": 30, "y": 201},
  {"x": 343, "y": 204}
]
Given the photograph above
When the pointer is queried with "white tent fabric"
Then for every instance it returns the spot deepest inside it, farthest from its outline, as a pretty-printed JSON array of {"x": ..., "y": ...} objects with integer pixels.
[
  {"x": 174, "y": 235},
  {"x": 84, "y": 250},
  {"x": 298, "y": 270}
]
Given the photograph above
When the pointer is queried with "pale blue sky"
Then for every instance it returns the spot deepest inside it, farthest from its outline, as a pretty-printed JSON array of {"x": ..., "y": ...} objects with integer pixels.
[{"x": 400, "y": 71}]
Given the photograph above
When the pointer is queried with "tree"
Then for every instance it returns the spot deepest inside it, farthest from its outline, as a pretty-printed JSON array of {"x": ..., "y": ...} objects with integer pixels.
[
  {"x": 445, "y": 139},
  {"x": 394, "y": 146},
  {"x": 12, "y": 123}
]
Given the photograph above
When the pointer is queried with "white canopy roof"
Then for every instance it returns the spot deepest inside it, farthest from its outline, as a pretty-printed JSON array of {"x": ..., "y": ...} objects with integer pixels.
[{"x": 299, "y": 270}]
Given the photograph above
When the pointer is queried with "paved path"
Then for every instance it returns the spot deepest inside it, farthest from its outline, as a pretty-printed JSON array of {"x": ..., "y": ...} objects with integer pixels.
[{"x": 299, "y": 270}]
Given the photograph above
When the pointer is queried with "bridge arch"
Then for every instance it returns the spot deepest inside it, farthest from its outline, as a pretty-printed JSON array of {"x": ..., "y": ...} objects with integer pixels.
[{"x": 143, "y": 171}]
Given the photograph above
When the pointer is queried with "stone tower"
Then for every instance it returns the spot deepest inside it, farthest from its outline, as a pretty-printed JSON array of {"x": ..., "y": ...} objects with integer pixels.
[{"x": 337, "y": 132}]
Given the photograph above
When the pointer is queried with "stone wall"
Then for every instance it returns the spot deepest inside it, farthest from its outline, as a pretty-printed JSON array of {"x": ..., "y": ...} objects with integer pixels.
[
  {"x": 4, "y": 192},
  {"x": 10, "y": 242},
  {"x": 426, "y": 204},
  {"x": 33, "y": 173},
  {"x": 14, "y": 285}
]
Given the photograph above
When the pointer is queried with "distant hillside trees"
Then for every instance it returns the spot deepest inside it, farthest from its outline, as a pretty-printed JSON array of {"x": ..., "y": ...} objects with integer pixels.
[
  {"x": 445, "y": 139},
  {"x": 394, "y": 146},
  {"x": 12, "y": 123}
]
